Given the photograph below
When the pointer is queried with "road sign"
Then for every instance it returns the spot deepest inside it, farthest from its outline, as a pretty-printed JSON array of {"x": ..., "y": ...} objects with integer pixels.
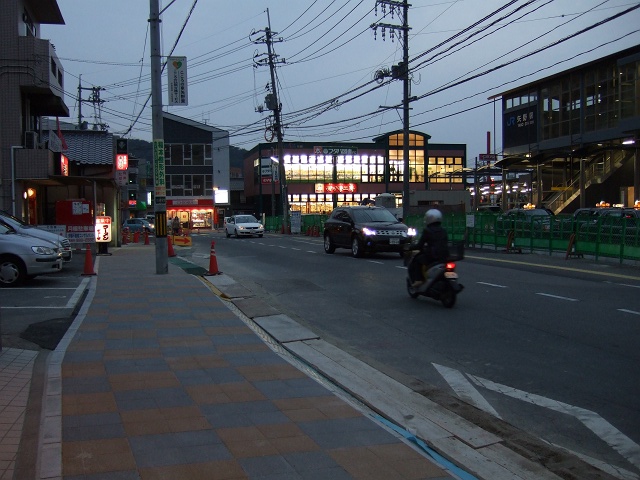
[{"x": 182, "y": 241}]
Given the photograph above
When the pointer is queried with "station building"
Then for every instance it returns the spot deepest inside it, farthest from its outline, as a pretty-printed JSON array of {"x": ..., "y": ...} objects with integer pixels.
[
  {"x": 577, "y": 134},
  {"x": 323, "y": 175}
]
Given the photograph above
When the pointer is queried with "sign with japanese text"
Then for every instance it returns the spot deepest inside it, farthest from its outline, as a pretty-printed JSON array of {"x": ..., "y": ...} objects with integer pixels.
[
  {"x": 177, "y": 80},
  {"x": 329, "y": 150},
  {"x": 122, "y": 161},
  {"x": 336, "y": 188},
  {"x": 81, "y": 233},
  {"x": 64, "y": 165},
  {"x": 122, "y": 177},
  {"x": 158, "y": 170},
  {"x": 103, "y": 229},
  {"x": 487, "y": 159}
]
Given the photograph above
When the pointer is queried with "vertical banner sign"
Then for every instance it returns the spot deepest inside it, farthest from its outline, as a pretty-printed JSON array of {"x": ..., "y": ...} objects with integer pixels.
[
  {"x": 122, "y": 154},
  {"x": 158, "y": 172},
  {"x": 177, "y": 81},
  {"x": 103, "y": 229}
]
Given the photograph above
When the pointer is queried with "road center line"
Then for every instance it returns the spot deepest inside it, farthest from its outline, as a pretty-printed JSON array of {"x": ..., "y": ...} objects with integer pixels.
[
  {"x": 493, "y": 285},
  {"x": 557, "y": 296},
  {"x": 624, "y": 310}
]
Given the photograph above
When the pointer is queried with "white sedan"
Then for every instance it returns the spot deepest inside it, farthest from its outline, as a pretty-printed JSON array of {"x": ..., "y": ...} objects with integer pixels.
[{"x": 243, "y": 226}]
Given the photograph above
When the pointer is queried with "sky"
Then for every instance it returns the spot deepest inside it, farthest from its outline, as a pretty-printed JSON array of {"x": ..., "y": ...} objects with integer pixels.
[{"x": 461, "y": 54}]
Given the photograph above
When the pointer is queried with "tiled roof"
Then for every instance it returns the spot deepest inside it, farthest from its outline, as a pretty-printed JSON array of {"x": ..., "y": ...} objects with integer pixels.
[{"x": 89, "y": 147}]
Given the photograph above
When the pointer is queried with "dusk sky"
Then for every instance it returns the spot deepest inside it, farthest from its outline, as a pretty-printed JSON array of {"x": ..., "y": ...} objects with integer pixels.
[{"x": 461, "y": 53}]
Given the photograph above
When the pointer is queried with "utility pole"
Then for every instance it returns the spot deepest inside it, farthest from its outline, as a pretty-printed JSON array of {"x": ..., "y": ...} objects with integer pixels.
[
  {"x": 400, "y": 72},
  {"x": 94, "y": 99},
  {"x": 160, "y": 192},
  {"x": 273, "y": 104}
]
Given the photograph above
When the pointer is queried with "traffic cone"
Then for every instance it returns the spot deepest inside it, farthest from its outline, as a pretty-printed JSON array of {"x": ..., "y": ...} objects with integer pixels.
[
  {"x": 136, "y": 237},
  {"x": 88, "y": 262},
  {"x": 146, "y": 238},
  {"x": 213, "y": 262},
  {"x": 170, "y": 247}
]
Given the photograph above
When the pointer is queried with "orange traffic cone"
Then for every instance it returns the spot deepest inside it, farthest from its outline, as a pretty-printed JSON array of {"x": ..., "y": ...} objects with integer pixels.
[
  {"x": 146, "y": 238},
  {"x": 213, "y": 262},
  {"x": 88, "y": 262},
  {"x": 170, "y": 247}
]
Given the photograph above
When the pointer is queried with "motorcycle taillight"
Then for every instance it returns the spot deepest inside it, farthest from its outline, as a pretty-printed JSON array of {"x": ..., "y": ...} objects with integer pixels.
[{"x": 450, "y": 266}]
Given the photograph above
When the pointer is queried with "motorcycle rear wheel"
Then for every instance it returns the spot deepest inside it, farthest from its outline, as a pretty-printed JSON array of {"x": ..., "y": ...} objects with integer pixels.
[{"x": 448, "y": 298}]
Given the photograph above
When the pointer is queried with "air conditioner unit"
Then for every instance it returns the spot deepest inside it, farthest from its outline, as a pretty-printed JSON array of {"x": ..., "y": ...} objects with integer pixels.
[{"x": 31, "y": 140}]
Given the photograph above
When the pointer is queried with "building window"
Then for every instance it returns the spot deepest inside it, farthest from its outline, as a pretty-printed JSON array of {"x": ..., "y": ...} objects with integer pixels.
[
  {"x": 445, "y": 169},
  {"x": 630, "y": 90},
  {"x": 197, "y": 152}
]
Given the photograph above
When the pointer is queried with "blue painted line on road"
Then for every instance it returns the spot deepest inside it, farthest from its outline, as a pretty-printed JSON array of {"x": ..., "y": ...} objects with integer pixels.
[{"x": 428, "y": 450}]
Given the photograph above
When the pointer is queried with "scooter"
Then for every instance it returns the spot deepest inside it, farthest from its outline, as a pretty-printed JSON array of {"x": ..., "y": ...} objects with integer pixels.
[{"x": 441, "y": 284}]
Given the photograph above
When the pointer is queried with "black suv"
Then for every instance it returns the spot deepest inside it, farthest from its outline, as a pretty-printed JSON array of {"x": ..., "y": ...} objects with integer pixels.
[{"x": 366, "y": 229}]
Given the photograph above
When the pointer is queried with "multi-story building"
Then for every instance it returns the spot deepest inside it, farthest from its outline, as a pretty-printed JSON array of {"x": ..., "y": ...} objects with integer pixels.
[
  {"x": 322, "y": 175},
  {"x": 31, "y": 86},
  {"x": 196, "y": 172},
  {"x": 577, "y": 132}
]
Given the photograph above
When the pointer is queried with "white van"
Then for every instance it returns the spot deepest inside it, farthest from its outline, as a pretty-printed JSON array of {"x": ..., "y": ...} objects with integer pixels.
[{"x": 24, "y": 228}]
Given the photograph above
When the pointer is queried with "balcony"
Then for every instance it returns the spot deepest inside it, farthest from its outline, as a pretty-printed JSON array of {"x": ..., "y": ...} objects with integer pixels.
[{"x": 43, "y": 83}]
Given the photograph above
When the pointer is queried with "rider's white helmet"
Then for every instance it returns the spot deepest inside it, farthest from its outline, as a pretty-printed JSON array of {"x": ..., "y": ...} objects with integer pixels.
[{"x": 432, "y": 216}]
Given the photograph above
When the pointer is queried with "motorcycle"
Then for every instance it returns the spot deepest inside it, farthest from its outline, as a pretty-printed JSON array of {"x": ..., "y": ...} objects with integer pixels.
[{"x": 441, "y": 278}]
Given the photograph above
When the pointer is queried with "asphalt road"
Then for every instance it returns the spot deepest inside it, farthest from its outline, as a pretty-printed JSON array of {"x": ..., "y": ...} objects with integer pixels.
[{"x": 544, "y": 344}]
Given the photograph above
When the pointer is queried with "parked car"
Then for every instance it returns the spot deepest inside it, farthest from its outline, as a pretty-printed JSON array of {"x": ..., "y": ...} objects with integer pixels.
[
  {"x": 611, "y": 222},
  {"x": 138, "y": 225},
  {"x": 489, "y": 209},
  {"x": 366, "y": 229},
  {"x": 524, "y": 220},
  {"x": 243, "y": 226},
  {"x": 62, "y": 242},
  {"x": 23, "y": 256}
]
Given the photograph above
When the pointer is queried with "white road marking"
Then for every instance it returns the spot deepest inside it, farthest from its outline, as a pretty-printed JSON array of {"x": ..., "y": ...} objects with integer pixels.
[
  {"x": 464, "y": 389},
  {"x": 375, "y": 261},
  {"x": 594, "y": 422},
  {"x": 624, "y": 310},
  {"x": 616, "y": 471},
  {"x": 311, "y": 251},
  {"x": 297, "y": 249},
  {"x": 493, "y": 285},
  {"x": 557, "y": 296}
]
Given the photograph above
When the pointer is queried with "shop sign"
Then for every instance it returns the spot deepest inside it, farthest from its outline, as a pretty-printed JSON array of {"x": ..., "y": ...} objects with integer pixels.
[
  {"x": 340, "y": 188},
  {"x": 81, "y": 233},
  {"x": 158, "y": 169},
  {"x": 103, "y": 229},
  {"x": 334, "y": 150},
  {"x": 185, "y": 201},
  {"x": 487, "y": 159},
  {"x": 122, "y": 177},
  {"x": 64, "y": 165}
]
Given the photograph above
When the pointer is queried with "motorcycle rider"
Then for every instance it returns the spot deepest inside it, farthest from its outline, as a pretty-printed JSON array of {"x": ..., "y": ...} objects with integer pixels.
[{"x": 432, "y": 246}]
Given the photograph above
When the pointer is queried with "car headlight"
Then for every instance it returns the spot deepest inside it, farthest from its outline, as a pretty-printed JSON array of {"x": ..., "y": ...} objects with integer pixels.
[
  {"x": 368, "y": 231},
  {"x": 43, "y": 251},
  {"x": 412, "y": 232},
  {"x": 240, "y": 227}
]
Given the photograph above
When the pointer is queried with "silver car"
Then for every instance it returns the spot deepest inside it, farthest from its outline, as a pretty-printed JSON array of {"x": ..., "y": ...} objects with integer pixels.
[
  {"x": 23, "y": 257},
  {"x": 243, "y": 226},
  {"x": 63, "y": 243}
]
